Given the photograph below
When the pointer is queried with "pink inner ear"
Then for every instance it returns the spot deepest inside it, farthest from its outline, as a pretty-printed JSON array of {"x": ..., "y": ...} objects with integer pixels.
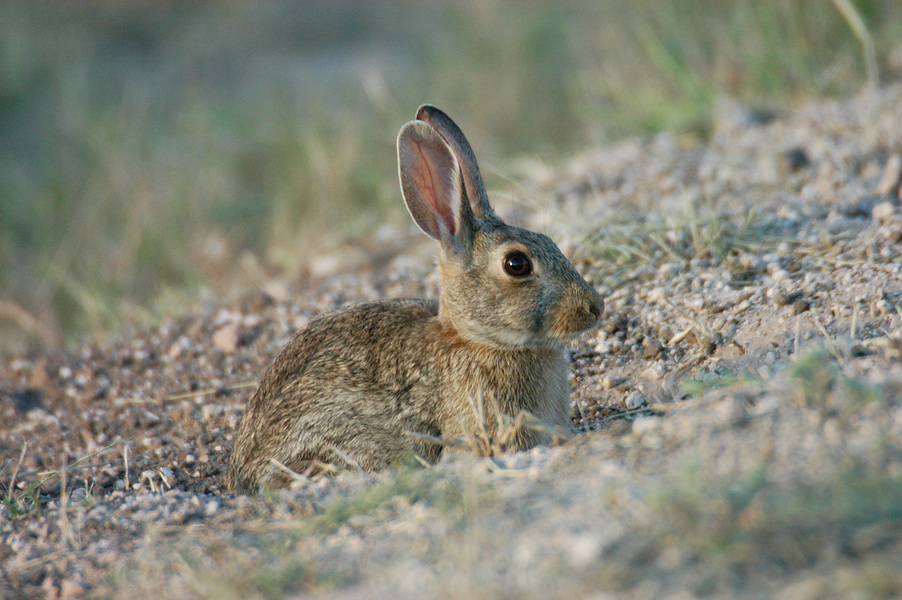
[{"x": 434, "y": 184}]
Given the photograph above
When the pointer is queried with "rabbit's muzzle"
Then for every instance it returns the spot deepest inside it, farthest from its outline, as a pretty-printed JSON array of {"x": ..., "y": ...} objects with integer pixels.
[{"x": 578, "y": 311}]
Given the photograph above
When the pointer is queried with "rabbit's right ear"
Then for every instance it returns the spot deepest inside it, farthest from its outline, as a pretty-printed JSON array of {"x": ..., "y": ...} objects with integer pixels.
[{"x": 431, "y": 184}]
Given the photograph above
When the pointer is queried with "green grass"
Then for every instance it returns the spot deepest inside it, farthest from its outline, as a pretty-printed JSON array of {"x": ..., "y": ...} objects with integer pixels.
[
  {"x": 751, "y": 524},
  {"x": 151, "y": 153},
  {"x": 411, "y": 484},
  {"x": 822, "y": 384},
  {"x": 270, "y": 557}
]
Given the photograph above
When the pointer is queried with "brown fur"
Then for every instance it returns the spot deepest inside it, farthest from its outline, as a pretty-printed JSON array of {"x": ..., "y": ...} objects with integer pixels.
[{"x": 355, "y": 382}]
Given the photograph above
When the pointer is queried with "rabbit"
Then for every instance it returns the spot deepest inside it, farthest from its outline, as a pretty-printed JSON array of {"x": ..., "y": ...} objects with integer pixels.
[{"x": 353, "y": 385}]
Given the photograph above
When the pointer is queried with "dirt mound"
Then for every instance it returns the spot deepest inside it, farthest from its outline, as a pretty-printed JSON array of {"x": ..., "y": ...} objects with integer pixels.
[{"x": 743, "y": 398}]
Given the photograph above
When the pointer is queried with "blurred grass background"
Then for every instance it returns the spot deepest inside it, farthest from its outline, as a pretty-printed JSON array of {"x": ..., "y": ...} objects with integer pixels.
[{"x": 156, "y": 152}]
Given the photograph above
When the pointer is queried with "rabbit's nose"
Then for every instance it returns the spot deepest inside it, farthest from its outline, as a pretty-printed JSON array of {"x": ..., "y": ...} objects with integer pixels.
[
  {"x": 597, "y": 308},
  {"x": 596, "y": 311}
]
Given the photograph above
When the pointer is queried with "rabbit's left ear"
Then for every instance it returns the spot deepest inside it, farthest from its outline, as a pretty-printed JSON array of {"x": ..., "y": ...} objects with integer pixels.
[
  {"x": 431, "y": 184},
  {"x": 469, "y": 168}
]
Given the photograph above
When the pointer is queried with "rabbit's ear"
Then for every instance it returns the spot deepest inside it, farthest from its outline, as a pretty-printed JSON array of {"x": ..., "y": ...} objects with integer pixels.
[
  {"x": 431, "y": 185},
  {"x": 476, "y": 194}
]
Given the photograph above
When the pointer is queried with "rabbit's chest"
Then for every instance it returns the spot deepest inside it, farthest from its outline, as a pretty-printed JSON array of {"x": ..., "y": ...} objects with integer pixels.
[{"x": 533, "y": 382}]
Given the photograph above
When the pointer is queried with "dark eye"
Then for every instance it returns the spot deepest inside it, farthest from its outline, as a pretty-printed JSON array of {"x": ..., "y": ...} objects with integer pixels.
[{"x": 517, "y": 264}]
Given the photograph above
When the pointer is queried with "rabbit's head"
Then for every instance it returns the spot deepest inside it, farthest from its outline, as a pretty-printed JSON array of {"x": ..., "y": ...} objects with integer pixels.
[{"x": 501, "y": 285}]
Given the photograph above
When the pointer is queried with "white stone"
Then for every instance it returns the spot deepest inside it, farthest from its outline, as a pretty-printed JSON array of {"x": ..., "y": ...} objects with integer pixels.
[{"x": 635, "y": 400}]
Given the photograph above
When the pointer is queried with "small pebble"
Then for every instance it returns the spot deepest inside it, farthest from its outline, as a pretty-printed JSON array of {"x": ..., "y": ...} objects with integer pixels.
[
  {"x": 776, "y": 296},
  {"x": 226, "y": 338},
  {"x": 892, "y": 176},
  {"x": 602, "y": 347},
  {"x": 892, "y": 233},
  {"x": 794, "y": 159},
  {"x": 583, "y": 550},
  {"x": 609, "y": 382},
  {"x": 779, "y": 275},
  {"x": 635, "y": 400},
  {"x": 651, "y": 348},
  {"x": 653, "y": 373},
  {"x": 883, "y": 212},
  {"x": 658, "y": 295},
  {"x": 643, "y": 425},
  {"x": 800, "y": 306},
  {"x": 669, "y": 270},
  {"x": 751, "y": 263},
  {"x": 71, "y": 588}
]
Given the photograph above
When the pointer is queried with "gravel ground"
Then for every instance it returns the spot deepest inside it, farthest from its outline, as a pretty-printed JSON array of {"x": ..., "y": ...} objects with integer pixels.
[{"x": 753, "y": 285}]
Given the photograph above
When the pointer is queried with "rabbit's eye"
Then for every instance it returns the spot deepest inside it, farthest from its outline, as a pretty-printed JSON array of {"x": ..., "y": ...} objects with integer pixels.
[{"x": 517, "y": 264}]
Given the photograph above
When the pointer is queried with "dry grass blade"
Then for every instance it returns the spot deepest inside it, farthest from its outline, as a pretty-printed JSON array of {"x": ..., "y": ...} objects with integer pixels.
[
  {"x": 294, "y": 475},
  {"x": 482, "y": 442},
  {"x": 858, "y": 27},
  {"x": 347, "y": 458},
  {"x": 854, "y": 329},
  {"x": 832, "y": 346},
  {"x": 529, "y": 421},
  {"x": 491, "y": 439},
  {"x": 15, "y": 313},
  {"x": 46, "y": 558},
  {"x": 209, "y": 391},
  {"x": 67, "y": 535},
  {"x": 12, "y": 481},
  {"x": 699, "y": 328},
  {"x": 654, "y": 408},
  {"x": 506, "y": 435},
  {"x": 316, "y": 470},
  {"x": 583, "y": 417},
  {"x": 125, "y": 460},
  {"x": 48, "y": 476},
  {"x": 434, "y": 439}
]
